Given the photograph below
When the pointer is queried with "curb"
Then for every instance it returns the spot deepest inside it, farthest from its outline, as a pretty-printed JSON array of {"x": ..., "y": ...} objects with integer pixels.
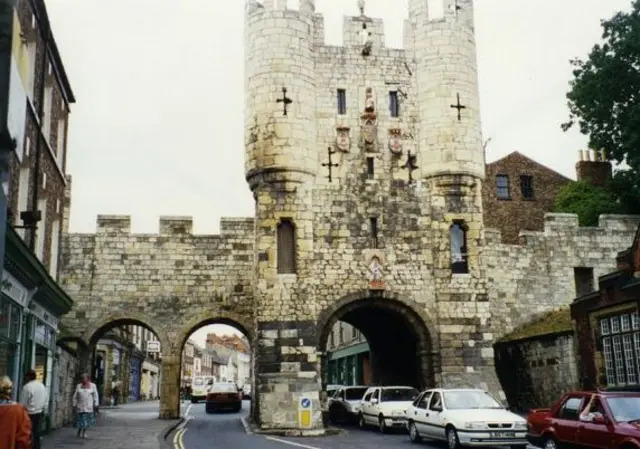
[
  {"x": 162, "y": 438},
  {"x": 246, "y": 425},
  {"x": 332, "y": 431}
]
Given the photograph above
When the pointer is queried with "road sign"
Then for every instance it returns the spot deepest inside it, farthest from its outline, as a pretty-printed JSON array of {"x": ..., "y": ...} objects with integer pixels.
[
  {"x": 305, "y": 413},
  {"x": 153, "y": 346}
]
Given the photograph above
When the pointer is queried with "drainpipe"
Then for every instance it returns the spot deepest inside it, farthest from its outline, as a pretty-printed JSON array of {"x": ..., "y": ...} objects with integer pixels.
[{"x": 35, "y": 186}]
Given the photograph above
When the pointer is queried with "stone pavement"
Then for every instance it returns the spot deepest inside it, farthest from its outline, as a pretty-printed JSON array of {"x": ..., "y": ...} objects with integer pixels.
[{"x": 129, "y": 426}]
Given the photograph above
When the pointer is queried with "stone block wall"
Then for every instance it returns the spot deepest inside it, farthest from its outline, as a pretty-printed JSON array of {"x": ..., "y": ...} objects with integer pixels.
[
  {"x": 67, "y": 378},
  {"x": 538, "y": 275},
  {"x": 536, "y": 372}
]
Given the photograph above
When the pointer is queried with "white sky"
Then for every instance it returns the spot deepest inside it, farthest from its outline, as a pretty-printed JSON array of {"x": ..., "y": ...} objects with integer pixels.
[
  {"x": 200, "y": 336},
  {"x": 158, "y": 127}
]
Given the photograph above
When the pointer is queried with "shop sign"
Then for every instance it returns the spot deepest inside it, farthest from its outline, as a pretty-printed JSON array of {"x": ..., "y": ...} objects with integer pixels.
[
  {"x": 153, "y": 347},
  {"x": 44, "y": 315},
  {"x": 14, "y": 289}
]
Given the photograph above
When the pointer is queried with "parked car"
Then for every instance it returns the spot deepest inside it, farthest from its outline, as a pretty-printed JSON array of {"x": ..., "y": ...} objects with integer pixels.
[
  {"x": 332, "y": 389},
  {"x": 610, "y": 422},
  {"x": 246, "y": 391},
  {"x": 385, "y": 407},
  {"x": 223, "y": 396},
  {"x": 344, "y": 406},
  {"x": 464, "y": 417}
]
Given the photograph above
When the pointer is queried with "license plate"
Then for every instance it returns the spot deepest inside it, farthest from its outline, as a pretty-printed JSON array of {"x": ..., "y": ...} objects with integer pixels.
[{"x": 502, "y": 435}]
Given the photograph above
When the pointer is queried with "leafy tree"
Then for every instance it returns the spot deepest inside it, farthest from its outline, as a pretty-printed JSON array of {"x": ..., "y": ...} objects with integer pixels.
[
  {"x": 604, "y": 101},
  {"x": 586, "y": 200}
]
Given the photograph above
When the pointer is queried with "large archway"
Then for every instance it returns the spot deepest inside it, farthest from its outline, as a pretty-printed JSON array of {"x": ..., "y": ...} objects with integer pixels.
[{"x": 400, "y": 341}]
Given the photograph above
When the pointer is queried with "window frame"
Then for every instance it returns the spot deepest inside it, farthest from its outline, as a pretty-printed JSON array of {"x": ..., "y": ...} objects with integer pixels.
[
  {"x": 394, "y": 105},
  {"x": 290, "y": 268},
  {"x": 523, "y": 188},
  {"x": 341, "y": 100},
  {"x": 499, "y": 188}
]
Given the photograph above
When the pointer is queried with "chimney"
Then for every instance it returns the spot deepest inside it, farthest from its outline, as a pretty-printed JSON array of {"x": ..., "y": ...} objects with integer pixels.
[{"x": 593, "y": 167}]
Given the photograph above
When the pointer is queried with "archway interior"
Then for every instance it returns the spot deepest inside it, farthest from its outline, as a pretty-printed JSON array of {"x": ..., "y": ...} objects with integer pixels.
[
  {"x": 216, "y": 350},
  {"x": 125, "y": 362},
  {"x": 394, "y": 348}
]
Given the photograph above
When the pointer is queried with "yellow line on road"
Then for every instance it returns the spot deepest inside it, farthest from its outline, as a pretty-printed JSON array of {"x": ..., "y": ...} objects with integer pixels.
[
  {"x": 181, "y": 439},
  {"x": 177, "y": 439}
]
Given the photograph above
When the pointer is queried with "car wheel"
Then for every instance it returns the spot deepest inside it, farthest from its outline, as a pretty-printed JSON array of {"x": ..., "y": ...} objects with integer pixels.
[
  {"x": 413, "y": 433},
  {"x": 550, "y": 443},
  {"x": 381, "y": 425},
  {"x": 361, "y": 423},
  {"x": 452, "y": 438}
]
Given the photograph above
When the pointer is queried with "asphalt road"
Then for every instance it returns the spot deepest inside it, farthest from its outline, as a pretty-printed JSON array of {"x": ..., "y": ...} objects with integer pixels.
[{"x": 225, "y": 431}]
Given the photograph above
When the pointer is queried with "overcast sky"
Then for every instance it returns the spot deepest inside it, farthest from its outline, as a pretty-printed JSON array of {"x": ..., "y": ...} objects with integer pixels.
[{"x": 158, "y": 124}]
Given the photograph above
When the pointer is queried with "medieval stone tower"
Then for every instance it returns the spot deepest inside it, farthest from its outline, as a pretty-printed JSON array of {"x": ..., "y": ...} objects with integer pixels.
[{"x": 366, "y": 165}]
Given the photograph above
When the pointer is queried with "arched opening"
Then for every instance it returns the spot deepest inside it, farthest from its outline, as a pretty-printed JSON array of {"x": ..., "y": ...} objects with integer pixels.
[
  {"x": 216, "y": 368},
  {"x": 125, "y": 361},
  {"x": 374, "y": 339}
]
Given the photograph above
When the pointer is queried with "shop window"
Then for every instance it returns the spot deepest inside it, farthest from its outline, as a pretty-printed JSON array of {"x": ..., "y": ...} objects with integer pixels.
[{"x": 620, "y": 341}]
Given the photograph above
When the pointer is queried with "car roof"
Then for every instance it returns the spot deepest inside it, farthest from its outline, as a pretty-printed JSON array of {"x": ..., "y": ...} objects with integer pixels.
[
  {"x": 355, "y": 386},
  {"x": 393, "y": 386}
]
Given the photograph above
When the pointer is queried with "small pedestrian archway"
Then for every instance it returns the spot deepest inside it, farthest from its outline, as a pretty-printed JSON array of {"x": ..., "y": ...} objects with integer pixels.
[
  {"x": 124, "y": 357},
  {"x": 401, "y": 342}
]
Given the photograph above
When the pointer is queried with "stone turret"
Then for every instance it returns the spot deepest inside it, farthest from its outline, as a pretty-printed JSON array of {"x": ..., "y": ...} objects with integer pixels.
[{"x": 280, "y": 147}]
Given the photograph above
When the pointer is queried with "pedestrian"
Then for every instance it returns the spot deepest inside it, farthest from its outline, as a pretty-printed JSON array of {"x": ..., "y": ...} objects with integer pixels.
[
  {"x": 34, "y": 397},
  {"x": 15, "y": 431},
  {"x": 85, "y": 403},
  {"x": 115, "y": 391}
]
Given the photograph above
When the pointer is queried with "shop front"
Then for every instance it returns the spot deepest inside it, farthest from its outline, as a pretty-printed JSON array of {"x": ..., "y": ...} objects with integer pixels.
[
  {"x": 14, "y": 298},
  {"x": 31, "y": 304}
]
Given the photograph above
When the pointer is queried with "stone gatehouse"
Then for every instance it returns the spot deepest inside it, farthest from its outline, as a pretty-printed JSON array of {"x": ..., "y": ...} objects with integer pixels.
[{"x": 367, "y": 172}]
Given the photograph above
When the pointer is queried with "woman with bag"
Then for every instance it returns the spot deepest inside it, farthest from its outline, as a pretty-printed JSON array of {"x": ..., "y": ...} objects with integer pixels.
[{"x": 85, "y": 403}]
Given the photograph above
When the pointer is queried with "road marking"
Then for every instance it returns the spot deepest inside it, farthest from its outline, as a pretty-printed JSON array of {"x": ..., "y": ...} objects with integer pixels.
[
  {"x": 291, "y": 443},
  {"x": 176, "y": 439},
  {"x": 181, "y": 439}
]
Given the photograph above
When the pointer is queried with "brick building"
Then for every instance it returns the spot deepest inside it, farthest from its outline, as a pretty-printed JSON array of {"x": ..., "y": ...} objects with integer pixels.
[
  {"x": 516, "y": 194},
  {"x": 37, "y": 188}
]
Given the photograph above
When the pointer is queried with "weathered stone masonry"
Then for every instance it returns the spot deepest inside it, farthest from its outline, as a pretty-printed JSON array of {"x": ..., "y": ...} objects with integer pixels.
[{"x": 174, "y": 281}]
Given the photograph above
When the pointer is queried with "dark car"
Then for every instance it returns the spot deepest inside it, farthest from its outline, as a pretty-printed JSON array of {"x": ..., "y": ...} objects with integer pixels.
[{"x": 223, "y": 396}]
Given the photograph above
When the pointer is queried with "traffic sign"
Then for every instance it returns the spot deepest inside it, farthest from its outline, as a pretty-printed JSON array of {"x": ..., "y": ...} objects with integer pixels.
[
  {"x": 305, "y": 413},
  {"x": 305, "y": 402}
]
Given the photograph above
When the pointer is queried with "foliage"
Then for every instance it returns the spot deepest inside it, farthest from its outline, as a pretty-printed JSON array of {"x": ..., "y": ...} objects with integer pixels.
[
  {"x": 587, "y": 201},
  {"x": 554, "y": 322},
  {"x": 604, "y": 99}
]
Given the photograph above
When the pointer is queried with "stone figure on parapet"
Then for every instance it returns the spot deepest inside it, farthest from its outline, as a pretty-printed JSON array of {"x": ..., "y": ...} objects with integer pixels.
[
  {"x": 361, "y": 5},
  {"x": 367, "y": 42}
]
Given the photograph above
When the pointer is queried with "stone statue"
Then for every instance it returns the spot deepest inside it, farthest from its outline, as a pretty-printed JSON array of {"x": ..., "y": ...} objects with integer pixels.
[
  {"x": 361, "y": 5},
  {"x": 369, "y": 101},
  {"x": 375, "y": 267}
]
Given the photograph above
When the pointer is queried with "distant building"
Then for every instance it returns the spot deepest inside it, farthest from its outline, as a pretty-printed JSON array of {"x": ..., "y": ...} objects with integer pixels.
[
  {"x": 237, "y": 352},
  {"x": 516, "y": 194},
  {"x": 348, "y": 361}
]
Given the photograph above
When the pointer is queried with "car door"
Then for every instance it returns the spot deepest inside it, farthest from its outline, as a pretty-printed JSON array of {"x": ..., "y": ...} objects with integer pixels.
[
  {"x": 366, "y": 405},
  {"x": 374, "y": 411},
  {"x": 419, "y": 412},
  {"x": 593, "y": 434},
  {"x": 567, "y": 422},
  {"x": 433, "y": 422}
]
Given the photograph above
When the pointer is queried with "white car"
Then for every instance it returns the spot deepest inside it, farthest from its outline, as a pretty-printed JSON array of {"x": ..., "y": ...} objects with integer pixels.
[
  {"x": 464, "y": 417},
  {"x": 344, "y": 405},
  {"x": 385, "y": 407}
]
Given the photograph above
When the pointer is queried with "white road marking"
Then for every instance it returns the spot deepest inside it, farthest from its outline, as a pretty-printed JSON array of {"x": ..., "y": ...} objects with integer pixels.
[{"x": 291, "y": 443}]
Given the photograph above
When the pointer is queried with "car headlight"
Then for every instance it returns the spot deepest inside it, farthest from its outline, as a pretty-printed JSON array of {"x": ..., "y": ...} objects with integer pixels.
[
  {"x": 520, "y": 425},
  {"x": 475, "y": 425}
]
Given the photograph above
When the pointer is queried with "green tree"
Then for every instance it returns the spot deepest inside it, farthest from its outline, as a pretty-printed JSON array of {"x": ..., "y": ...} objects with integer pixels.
[
  {"x": 586, "y": 200},
  {"x": 604, "y": 101}
]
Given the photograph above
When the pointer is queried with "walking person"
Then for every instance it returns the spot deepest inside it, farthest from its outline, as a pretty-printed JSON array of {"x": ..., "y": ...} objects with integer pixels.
[
  {"x": 15, "y": 430},
  {"x": 85, "y": 403},
  {"x": 35, "y": 398}
]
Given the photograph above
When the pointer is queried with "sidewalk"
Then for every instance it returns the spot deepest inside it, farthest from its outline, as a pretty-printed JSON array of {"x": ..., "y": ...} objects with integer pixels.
[{"x": 128, "y": 426}]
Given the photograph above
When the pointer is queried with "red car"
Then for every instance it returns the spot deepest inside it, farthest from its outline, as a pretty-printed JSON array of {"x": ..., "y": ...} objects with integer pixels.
[
  {"x": 612, "y": 421},
  {"x": 223, "y": 396}
]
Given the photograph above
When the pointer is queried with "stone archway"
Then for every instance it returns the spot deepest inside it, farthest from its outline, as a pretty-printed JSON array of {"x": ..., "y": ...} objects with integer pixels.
[
  {"x": 205, "y": 318},
  {"x": 400, "y": 333},
  {"x": 123, "y": 318}
]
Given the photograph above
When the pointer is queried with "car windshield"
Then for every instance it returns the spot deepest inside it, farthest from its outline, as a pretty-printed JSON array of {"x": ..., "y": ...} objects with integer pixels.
[
  {"x": 464, "y": 400},
  {"x": 198, "y": 382},
  {"x": 398, "y": 394},
  {"x": 354, "y": 394},
  {"x": 223, "y": 388},
  {"x": 625, "y": 409}
]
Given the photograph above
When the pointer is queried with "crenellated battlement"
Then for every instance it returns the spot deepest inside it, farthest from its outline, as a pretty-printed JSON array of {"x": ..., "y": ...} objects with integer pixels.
[
  {"x": 174, "y": 225},
  {"x": 304, "y": 7}
]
